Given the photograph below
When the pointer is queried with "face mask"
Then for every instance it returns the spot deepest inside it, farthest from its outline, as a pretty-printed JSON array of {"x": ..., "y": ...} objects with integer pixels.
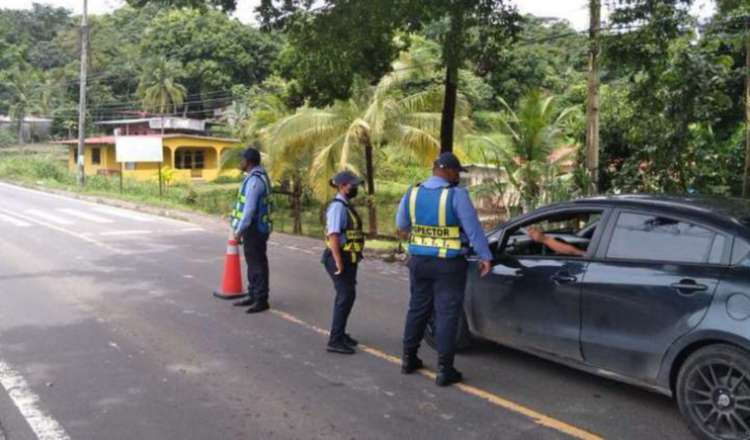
[{"x": 353, "y": 192}]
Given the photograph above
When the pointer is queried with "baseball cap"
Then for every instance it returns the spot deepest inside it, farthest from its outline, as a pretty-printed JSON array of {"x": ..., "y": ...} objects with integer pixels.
[
  {"x": 252, "y": 155},
  {"x": 345, "y": 177},
  {"x": 450, "y": 161}
]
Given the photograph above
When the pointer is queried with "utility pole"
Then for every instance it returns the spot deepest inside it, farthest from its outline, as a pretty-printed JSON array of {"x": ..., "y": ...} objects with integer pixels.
[
  {"x": 82, "y": 93},
  {"x": 592, "y": 101}
]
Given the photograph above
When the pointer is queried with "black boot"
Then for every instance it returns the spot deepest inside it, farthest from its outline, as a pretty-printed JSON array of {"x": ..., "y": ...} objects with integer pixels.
[
  {"x": 447, "y": 375},
  {"x": 258, "y": 306},
  {"x": 245, "y": 302},
  {"x": 410, "y": 362}
]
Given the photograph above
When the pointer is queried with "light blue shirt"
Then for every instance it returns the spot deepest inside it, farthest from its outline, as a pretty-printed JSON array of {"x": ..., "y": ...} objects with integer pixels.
[
  {"x": 337, "y": 218},
  {"x": 254, "y": 190},
  {"x": 471, "y": 228}
]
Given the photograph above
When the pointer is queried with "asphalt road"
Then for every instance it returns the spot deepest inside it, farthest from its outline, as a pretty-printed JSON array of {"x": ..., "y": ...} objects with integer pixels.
[{"x": 108, "y": 330}]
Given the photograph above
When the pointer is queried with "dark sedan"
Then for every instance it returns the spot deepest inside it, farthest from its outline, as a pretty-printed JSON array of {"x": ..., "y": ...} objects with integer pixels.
[{"x": 660, "y": 299}]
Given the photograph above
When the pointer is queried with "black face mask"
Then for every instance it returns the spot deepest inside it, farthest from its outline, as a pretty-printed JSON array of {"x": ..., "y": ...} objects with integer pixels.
[{"x": 352, "y": 192}]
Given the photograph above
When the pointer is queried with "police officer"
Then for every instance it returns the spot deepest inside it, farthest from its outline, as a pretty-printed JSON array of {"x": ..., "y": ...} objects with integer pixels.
[
  {"x": 252, "y": 226},
  {"x": 344, "y": 243},
  {"x": 441, "y": 222}
]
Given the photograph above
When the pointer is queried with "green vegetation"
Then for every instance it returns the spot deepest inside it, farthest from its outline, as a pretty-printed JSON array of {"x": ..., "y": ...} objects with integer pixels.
[{"x": 381, "y": 87}]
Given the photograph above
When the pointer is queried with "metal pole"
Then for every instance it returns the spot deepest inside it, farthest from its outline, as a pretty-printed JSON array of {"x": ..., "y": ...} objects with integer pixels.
[
  {"x": 592, "y": 102},
  {"x": 82, "y": 94}
]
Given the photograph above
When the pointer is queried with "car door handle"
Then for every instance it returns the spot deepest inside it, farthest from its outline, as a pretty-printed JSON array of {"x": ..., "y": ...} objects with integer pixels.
[
  {"x": 689, "y": 286},
  {"x": 563, "y": 278}
]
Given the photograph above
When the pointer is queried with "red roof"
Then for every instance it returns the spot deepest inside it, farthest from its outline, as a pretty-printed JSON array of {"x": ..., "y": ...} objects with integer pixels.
[{"x": 110, "y": 140}]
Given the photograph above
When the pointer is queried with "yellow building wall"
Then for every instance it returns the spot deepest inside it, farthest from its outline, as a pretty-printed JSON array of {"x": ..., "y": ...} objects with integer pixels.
[
  {"x": 213, "y": 148},
  {"x": 107, "y": 159}
]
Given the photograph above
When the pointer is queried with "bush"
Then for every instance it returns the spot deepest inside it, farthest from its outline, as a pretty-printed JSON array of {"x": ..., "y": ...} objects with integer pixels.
[{"x": 6, "y": 138}]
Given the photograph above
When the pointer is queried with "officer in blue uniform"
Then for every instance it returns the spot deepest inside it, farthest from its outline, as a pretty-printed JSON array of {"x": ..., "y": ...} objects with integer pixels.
[
  {"x": 251, "y": 223},
  {"x": 440, "y": 221},
  {"x": 344, "y": 244}
]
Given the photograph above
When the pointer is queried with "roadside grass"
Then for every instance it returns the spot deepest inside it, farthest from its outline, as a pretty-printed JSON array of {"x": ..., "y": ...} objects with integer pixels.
[{"x": 46, "y": 166}]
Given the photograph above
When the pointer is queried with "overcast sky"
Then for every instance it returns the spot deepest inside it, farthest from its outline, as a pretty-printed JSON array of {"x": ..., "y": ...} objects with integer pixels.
[{"x": 574, "y": 11}]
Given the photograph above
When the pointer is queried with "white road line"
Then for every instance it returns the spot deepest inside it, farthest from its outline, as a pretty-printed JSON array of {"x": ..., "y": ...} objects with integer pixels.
[
  {"x": 110, "y": 233},
  {"x": 123, "y": 213},
  {"x": 66, "y": 231},
  {"x": 85, "y": 215},
  {"x": 48, "y": 216},
  {"x": 14, "y": 221},
  {"x": 43, "y": 425}
]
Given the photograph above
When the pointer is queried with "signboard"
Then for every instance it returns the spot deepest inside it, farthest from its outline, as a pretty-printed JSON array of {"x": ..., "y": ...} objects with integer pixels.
[{"x": 139, "y": 149}]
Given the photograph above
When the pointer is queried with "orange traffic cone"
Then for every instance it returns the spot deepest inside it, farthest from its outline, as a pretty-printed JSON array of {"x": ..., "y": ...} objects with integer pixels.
[{"x": 231, "y": 287}]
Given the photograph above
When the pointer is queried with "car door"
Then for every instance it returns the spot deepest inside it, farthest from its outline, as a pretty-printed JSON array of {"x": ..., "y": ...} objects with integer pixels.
[
  {"x": 652, "y": 281},
  {"x": 532, "y": 301}
]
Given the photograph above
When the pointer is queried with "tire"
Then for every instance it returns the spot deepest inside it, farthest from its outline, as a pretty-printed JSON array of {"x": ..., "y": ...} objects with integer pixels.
[
  {"x": 713, "y": 392},
  {"x": 464, "y": 339}
]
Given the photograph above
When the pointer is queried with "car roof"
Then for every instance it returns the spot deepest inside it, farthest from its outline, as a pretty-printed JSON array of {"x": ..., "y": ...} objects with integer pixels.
[{"x": 724, "y": 212}]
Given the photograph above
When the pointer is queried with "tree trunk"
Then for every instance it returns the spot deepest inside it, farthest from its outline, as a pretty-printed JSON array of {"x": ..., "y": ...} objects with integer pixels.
[
  {"x": 449, "y": 109},
  {"x": 592, "y": 102},
  {"x": 297, "y": 203},
  {"x": 746, "y": 178},
  {"x": 452, "y": 56},
  {"x": 21, "y": 117},
  {"x": 371, "y": 209}
]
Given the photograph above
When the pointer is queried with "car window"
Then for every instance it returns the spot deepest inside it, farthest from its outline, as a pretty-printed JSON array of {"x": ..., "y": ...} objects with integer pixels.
[
  {"x": 571, "y": 229},
  {"x": 741, "y": 253},
  {"x": 651, "y": 237}
]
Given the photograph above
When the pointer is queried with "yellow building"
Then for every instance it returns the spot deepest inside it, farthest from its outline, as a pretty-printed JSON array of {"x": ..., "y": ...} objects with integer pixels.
[{"x": 190, "y": 156}]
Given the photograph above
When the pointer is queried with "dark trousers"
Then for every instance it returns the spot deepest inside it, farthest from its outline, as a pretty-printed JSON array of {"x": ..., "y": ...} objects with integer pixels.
[
  {"x": 255, "y": 246},
  {"x": 345, "y": 285},
  {"x": 437, "y": 285}
]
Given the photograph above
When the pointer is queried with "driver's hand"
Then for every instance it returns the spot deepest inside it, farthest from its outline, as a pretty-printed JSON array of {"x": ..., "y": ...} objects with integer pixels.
[
  {"x": 484, "y": 268},
  {"x": 536, "y": 234}
]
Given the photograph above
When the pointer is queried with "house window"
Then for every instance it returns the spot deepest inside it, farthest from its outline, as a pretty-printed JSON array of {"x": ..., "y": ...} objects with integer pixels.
[
  {"x": 189, "y": 159},
  {"x": 96, "y": 156}
]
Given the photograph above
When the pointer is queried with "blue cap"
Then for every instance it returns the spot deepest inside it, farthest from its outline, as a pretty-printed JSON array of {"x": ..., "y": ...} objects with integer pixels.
[
  {"x": 449, "y": 161},
  {"x": 345, "y": 177}
]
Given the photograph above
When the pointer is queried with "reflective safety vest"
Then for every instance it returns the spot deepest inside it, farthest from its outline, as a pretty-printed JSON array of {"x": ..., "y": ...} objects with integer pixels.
[
  {"x": 355, "y": 237},
  {"x": 435, "y": 228},
  {"x": 262, "y": 215}
]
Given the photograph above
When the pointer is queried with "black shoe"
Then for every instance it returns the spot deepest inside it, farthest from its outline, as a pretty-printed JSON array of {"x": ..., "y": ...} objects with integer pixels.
[
  {"x": 447, "y": 375},
  {"x": 339, "y": 347},
  {"x": 410, "y": 363},
  {"x": 244, "y": 303},
  {"x": 348, "y": 340},
  {"x": 258, "y": 307}
]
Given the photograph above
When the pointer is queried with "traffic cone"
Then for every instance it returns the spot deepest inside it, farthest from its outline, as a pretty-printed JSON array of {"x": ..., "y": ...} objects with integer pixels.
[{"x": 231, "y": 287}]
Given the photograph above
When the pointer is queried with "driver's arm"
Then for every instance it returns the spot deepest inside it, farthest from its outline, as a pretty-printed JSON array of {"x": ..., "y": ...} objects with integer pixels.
[{"x": 556, "y": 245}]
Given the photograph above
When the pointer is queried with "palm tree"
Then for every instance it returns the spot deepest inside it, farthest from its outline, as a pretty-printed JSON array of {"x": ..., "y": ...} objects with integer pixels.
[
  {"x": 160, "y": 91},
  {"x": 528, "y": 145},
  {"x": 21, "y": 84},
  {"x": 346, "y": 134}
]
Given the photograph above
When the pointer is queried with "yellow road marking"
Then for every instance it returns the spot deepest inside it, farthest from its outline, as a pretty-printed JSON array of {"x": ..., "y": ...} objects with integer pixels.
[{"x": 539, "y": 418}]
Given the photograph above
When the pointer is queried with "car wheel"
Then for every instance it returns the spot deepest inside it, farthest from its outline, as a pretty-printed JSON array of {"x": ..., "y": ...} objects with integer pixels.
[
  {"x": 713, "y": 392},
  {"x": 464, "y": 338}
]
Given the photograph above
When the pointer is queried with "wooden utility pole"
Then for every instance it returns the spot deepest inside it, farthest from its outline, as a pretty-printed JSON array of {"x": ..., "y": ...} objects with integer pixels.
[
  {"x": 746, "y": 176},
  {"x": 82, "y": 94},
  {"x": 592, "y": 101}
]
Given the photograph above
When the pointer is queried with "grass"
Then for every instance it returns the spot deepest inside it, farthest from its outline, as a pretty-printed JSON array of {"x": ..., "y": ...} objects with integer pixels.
[{"x": 46, "y": 166}]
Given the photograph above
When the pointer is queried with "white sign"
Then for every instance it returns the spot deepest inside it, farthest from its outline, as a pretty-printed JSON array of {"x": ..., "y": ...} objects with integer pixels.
[{"x": 139, "y": 149}]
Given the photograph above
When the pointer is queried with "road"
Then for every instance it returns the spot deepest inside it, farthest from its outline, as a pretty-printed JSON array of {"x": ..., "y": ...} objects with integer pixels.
[{"x": 108, "y": 330}]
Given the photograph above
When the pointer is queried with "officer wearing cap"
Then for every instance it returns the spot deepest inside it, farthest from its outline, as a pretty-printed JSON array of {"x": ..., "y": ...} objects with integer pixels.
[
  {"x": 441, "y": 222},
  {"x": 344, "y": 243},
  {"x": 251, "y": 224}
]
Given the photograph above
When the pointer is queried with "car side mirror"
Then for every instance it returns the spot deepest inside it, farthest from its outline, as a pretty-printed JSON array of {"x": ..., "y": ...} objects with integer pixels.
[{"x": 507, "y": 260}]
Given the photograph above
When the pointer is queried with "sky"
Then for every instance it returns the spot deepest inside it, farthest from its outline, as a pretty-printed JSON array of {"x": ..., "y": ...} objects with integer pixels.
[{"x": 574, "y": 11}]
